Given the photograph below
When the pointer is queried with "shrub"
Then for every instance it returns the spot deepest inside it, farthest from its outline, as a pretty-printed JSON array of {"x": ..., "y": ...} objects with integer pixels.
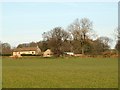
[{"x": 5, "y": 54}]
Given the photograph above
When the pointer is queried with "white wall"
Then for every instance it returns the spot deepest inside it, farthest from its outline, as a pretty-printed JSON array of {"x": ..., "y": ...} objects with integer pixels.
[
  {"x": 24, "y": 52},
  {"x": 27, "y": 52}
]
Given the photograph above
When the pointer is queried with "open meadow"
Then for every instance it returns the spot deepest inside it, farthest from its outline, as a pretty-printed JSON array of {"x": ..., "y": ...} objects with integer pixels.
[{"x": 67, "y": 72}]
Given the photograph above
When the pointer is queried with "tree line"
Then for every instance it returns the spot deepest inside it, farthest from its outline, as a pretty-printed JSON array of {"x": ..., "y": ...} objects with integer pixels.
[{"x": 77, "y": 38}]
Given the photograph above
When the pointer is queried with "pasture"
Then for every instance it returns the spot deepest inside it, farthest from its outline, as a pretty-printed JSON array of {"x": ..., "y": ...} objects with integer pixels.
[{"x": 68, "y": 72}]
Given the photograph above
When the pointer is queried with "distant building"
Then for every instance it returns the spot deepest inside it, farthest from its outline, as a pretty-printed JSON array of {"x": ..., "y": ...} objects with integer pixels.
[
  {"x": 26, "y": 50},
  {"x": 47, "y": 53},
  {"x": 69, "y": 53},
  {"x": 78, "y": 55}
]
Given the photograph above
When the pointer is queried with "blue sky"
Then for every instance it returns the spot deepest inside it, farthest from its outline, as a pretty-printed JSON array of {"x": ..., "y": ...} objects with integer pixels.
[{"x": 25, "y": 22}]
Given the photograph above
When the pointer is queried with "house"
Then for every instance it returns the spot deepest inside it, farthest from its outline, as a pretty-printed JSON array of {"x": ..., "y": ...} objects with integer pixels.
[
  {"x": 26, "y": 50},
  {"x": 47, "y": 53}
]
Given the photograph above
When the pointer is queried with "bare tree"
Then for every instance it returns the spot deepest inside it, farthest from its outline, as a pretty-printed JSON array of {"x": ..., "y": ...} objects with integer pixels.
[
  {"x": 33, "y": 44},
  {"x": 116, "y": 33},
  {"x": 86, "y": 27},
  {"x": 105, "y": 41},
  {"x": 55, "y": 39},
  {"x": 74, "y": 29},
  {"x": 117, "y": 36},
  {"x": 80, "y": 31},
  {"x": 23, "y": 45},
  {"x": 6, "y": 48}
]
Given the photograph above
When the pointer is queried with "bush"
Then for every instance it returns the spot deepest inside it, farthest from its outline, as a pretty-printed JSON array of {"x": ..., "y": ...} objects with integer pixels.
[{"x": 5, "y": 54}]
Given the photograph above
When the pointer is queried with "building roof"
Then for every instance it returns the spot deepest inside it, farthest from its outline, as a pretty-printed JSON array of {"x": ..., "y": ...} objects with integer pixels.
[{"x": 25, "y": 49}]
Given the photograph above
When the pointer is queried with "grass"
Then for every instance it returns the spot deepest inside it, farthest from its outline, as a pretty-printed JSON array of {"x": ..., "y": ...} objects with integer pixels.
[{"x": 36, "y": 72}]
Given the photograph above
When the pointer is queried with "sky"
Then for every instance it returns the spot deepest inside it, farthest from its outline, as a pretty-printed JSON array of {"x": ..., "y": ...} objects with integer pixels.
[{"x": 24, "y": 22}]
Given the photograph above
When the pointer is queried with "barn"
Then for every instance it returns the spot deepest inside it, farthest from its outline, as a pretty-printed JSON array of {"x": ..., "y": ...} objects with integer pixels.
[{"x": 26, "y": 50}]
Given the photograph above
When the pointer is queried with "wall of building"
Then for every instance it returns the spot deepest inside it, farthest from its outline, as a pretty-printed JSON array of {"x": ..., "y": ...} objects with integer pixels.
[
  {"x": 38, "y": 50},
  {"x": 24, "y": 52}
]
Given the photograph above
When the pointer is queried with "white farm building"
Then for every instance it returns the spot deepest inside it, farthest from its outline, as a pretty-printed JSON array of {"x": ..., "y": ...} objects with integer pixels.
[{"x": 26, "y": 50}]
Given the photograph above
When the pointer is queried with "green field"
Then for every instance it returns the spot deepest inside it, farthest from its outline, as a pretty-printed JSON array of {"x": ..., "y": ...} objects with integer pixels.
[{"x": 36, "y": 72}]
